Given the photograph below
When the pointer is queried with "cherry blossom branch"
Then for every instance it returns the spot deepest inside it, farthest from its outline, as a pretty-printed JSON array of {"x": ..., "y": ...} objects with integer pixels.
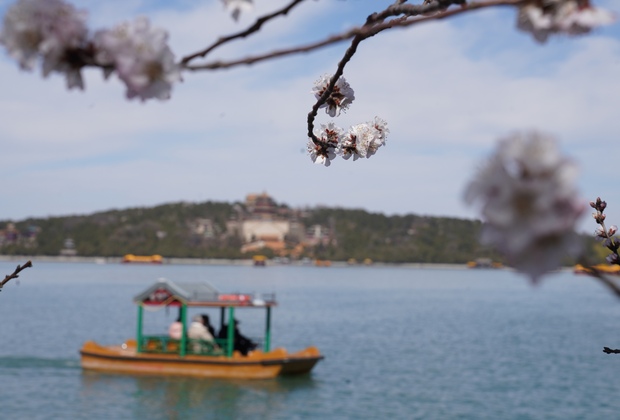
[
  {"x": 610, "y": 243},
  {"x": 606, "y": 234},
  {"x": 54, "y": 34},
  {"x": 252, "y": 29},
  {"x": 363, "y": 31},
  {"x": 371, "y": 28},
  {"x": 15, "y": 273}
]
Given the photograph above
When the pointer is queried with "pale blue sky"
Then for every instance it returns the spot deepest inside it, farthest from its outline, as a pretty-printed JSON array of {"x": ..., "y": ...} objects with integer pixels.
[{"x": 447, "y": 89}]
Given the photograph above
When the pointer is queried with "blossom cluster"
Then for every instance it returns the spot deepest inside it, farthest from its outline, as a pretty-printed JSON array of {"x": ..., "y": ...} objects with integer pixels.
[
  {"x": 360, "y": 141},
  {"x": 529, "y": 203},
  {"x": 340, "y": 97},
  {"x": 542, "y": 18},
  {"x": 55, "y": 32}
]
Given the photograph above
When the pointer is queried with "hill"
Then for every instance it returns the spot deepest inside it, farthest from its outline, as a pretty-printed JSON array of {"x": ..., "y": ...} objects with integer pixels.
[{"x": 213, "y": 230}]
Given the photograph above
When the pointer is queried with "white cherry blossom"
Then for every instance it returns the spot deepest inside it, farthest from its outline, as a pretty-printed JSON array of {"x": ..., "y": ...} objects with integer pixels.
[
  {"x": 48, "y": 29},
  {"x": 339, "y": 100},
  {"x": 527, "y": 195},
  {"x": 329, "y": 138},
  {"x": 140, "y": 56},
  {"x": 542, "y": 18}
]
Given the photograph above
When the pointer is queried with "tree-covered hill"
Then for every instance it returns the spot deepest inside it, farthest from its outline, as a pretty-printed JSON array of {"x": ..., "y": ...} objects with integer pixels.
[{"x": 199, "y": 230}]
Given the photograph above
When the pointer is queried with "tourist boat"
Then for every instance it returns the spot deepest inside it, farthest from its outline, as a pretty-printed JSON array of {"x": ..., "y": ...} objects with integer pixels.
[
  {"x": 259, "y": 260},
  {"x": 602, "y": 268},
  {"x": 484, "y": 263},
  {"x": 143, "y": 259},
  {"x": 159, "y": 354}
]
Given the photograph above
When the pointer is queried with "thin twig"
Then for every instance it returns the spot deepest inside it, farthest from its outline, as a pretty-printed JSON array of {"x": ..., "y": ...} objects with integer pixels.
[
  {"x": 597, "y": 274},
  {"x": 366, "y": 32},
  {"x": 15, "y": 273},
  {"x": 252, "y": 29}
]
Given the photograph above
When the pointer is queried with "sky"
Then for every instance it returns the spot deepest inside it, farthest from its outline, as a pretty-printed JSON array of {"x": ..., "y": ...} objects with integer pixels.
[{"x": 448, "y": 90}]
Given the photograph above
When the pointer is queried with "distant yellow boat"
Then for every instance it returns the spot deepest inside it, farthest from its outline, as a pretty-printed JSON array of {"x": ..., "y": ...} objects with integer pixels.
[
  {"x": 484, "y": 263},
  {"x": 259, "y": 260},
  {"x": 603, "y": 268},
  {"x": 143, "y": 259}
]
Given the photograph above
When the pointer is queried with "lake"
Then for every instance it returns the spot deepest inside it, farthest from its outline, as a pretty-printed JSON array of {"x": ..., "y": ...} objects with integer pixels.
[{"x": 398, "y": 343}]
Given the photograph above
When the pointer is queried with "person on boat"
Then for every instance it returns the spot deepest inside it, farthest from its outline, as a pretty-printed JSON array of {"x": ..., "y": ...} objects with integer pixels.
[
  {"x": 198, "y": 330},
  {"x": 241, "y": 343},
  {"x": 175, "y": 331},
  {"x": 207, "y": 323}
]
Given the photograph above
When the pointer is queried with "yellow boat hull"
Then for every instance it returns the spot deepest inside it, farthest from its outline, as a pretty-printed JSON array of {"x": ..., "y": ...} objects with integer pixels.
[{"x": 256, "y": 365}]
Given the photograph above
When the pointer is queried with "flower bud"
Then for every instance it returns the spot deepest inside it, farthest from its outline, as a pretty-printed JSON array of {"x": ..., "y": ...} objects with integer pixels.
[
  {"x": 599, "y": 217},
  {"x": 612, "y": 230}
]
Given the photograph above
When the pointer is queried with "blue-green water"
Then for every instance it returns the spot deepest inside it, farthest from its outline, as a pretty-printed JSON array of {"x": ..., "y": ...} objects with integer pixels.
[{"x": 399, "y": 343}]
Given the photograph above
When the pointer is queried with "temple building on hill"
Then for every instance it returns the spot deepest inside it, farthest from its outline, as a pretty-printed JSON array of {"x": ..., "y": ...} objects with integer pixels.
[{"x": 264, "y": 224}]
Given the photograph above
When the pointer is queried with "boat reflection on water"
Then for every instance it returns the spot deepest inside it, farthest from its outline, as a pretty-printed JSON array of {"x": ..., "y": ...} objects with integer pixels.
[{"x": 185, "y": 397}]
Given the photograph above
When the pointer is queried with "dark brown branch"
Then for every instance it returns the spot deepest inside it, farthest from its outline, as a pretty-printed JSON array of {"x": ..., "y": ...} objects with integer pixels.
[
  {"x": 374, "y": 25},
  {"x": 605, "y": 280},
  {"x": 366, "y": 32},
  {"x": 15, "y": 273},
  {"x": 252, "y": 29},
  {"x": 593, "y": 272}
]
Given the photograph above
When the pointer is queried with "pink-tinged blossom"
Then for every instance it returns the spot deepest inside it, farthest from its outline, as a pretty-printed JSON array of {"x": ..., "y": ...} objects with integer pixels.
[
  {"x": 529, "y": 203},
  {"x": 542, "y": 18},
  {"x": 340, "y": 98},
  {"x": 235, "y": 7},
  {"x": 363, "y": 140},
  {"x": 50, "y": 29},
  {"x": 141, "y": 57},
  {"x": 323, "y": 151}
]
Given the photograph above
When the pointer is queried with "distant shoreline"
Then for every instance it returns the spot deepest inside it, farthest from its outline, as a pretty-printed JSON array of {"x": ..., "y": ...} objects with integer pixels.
[{"x": 20, "y": 259}]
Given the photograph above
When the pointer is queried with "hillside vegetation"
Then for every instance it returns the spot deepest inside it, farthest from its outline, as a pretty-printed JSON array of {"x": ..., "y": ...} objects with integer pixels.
[{"x": 169, "y": 230}]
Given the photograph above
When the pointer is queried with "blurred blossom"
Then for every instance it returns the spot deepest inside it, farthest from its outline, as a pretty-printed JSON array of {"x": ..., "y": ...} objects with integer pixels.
[
  {"x": 529, "y": 203},
  {"x": 141, "y": 57},
  {"x": 542, "y": 18},
  {"x": 324, "y": 150},
  {"x": 50, "y": 29},
  {"x": 235, "y": 7},
  {"x": 340, "y": 98}
]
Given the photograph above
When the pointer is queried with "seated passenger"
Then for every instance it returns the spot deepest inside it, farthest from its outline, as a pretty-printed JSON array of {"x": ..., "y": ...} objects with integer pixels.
[
  {"x": 241, "y": 343},
  {"x": 207, "y": 323},
  {"x": 175, "y": 331},
  {"x": 197, "y": 330}
]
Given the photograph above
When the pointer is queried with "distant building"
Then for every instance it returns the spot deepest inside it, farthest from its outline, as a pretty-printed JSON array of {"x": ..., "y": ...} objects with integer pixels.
[
  {"x": 264, "y": 224},
  {"x": 10, "y": 235},
  {"x": 68, "y": 249}
]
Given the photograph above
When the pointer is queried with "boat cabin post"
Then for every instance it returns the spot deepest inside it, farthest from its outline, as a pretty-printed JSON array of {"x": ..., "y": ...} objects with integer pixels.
[{"x": 267, "y": 343}]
